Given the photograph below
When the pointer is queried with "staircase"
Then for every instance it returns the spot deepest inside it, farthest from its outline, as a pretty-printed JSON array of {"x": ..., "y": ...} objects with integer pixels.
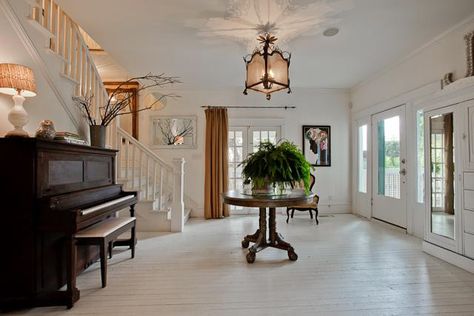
[{"x": 160, "y": 185}]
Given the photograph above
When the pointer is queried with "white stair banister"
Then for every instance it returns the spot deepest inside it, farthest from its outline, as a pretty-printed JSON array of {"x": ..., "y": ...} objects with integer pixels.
[{"x": 177, "y": 213}]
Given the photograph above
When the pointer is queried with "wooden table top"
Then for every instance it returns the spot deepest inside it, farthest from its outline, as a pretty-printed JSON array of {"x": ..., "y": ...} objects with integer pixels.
[{"x": 292, "y": 199}]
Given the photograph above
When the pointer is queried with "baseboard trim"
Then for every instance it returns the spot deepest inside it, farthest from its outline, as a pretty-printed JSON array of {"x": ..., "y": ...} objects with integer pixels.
[{"x": 449, "y": 256}]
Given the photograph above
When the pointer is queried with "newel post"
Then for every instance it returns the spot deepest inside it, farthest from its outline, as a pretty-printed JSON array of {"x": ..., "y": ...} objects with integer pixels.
[{"x": 177, "y": 210}]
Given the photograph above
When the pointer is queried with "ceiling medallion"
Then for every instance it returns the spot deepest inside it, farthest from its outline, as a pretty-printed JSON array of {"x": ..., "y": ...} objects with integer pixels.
[{"x": 267, "y": 67}]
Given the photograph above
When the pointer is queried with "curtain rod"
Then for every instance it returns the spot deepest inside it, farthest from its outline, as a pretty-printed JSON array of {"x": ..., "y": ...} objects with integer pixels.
[{"x": 250, "y": 107}]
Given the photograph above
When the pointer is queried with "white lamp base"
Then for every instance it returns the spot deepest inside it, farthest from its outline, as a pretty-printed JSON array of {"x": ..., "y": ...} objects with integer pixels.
[{"x": 18, "y": 118}]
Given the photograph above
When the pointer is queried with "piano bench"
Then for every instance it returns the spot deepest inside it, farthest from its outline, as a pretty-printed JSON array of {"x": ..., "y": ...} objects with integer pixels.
[{"x": 103, "y": 235}]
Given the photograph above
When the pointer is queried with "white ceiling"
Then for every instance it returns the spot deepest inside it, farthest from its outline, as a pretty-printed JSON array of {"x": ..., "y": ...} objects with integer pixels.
[{"x": 184, "y": 37}]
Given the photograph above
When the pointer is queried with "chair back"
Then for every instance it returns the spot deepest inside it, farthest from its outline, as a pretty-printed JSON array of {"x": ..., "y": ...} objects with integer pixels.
[{"x": 312, "y": 181}]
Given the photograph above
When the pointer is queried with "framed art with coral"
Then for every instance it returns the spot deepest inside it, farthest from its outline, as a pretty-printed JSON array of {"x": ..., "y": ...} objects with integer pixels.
[{"x": 317, "y": 145}]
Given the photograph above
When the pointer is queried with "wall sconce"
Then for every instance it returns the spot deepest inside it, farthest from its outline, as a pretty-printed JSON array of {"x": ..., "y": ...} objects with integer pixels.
[{"x": 18, "y": 81}]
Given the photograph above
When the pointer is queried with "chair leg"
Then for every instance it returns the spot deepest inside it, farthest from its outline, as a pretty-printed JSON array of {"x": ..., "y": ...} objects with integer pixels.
[
  {"x": 316, "y": 215},
  {"x": 103, "y": 263},
  {"x": 310, "y": 213},
  {"x": 287, "y": 214},
  {"x": 292, "y": 212}
]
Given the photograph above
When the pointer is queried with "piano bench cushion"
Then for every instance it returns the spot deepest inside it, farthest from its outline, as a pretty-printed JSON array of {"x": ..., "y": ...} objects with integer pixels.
[{"x": 105, "y": 228}]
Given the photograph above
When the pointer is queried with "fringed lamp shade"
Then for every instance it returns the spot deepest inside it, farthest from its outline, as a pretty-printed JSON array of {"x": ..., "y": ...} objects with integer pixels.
[
  {"x": 268, "y": 68},
  {"x": 17, "y": 79}
]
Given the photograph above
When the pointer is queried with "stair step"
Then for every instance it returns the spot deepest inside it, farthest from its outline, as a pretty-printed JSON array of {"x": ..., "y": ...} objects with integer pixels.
[
  {"x": 40, "y": 28},
  {"x": 72, "y": 80}
]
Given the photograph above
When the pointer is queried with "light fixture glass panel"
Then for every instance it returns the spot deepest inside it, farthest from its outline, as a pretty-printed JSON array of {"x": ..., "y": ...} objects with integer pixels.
[
  {"x": 278, "y": 68},
  {"x": 255, "y": 70}
]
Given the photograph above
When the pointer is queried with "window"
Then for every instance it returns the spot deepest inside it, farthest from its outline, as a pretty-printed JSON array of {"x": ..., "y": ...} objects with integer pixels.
[
  {"x": 388, "y": 133},
  {"x": 420, "y": 156},
  {"x": 437, "y": 172},
  {"x": 362, "y": 154}
]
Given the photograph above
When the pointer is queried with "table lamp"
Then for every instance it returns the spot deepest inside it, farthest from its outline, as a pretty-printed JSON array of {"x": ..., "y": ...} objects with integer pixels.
[{"x": 18, "y": 81}]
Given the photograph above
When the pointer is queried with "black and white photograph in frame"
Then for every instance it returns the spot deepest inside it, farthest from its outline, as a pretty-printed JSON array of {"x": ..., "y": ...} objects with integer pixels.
[{"x": 317, "y": 145}]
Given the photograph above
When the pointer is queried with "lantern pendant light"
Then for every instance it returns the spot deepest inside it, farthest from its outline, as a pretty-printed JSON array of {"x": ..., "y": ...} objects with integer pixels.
[{"x": 267, "y": 67}]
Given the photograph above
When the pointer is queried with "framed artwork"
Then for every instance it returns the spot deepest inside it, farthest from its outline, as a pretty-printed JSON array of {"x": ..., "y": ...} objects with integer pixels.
[
  {"x": 173, "y": 132},
  {"x": 317, "y": 144}
]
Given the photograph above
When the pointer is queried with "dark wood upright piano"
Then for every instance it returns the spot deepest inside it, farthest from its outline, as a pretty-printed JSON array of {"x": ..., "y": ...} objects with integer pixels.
[{"x": 48, "y": 192}]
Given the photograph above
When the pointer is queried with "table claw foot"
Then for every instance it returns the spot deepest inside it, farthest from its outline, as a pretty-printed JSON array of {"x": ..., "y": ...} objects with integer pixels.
[
  {"x": 292, "y": 254},
  {"x": 245, "y": 243},
  {"x": 251, "y": 257}
]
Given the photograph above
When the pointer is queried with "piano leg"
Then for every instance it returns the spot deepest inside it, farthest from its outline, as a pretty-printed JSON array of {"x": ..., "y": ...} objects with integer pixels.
[{"x": 72, "y": 293}]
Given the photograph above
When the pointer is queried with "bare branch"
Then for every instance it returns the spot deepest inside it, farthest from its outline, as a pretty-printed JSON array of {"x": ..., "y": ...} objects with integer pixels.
[{"x": 124, "y": 99}]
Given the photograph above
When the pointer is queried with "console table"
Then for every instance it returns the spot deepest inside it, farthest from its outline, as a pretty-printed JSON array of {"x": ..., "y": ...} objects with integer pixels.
[{"x": 259, "y": 238}]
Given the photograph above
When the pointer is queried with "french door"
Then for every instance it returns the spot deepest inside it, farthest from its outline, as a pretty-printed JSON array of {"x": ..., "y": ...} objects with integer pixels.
[
  {"x": 242, "y": 142},
  {"x": 389, "y": 173}
]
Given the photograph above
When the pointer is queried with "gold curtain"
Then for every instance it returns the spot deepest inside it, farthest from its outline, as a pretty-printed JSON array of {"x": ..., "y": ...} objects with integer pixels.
[
  {"x": 449, "y": 163},
  {"x": 216, "y": 163}
]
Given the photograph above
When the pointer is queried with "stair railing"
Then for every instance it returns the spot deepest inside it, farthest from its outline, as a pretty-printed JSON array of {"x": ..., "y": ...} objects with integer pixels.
[
  {"x": 142, "y": 170},
  {"x": 67, "y": 41}
]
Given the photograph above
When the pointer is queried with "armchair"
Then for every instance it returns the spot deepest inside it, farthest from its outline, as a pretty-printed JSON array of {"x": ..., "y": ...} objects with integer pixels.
[{"x": 313, "y": 206}]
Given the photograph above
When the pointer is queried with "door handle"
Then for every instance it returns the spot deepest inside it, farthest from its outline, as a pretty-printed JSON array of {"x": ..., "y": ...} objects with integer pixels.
[{"x": 403, "y": 172}]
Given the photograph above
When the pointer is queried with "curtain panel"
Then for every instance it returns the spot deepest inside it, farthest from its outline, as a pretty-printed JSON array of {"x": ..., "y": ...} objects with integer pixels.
[{"x": 216, "y": 163}]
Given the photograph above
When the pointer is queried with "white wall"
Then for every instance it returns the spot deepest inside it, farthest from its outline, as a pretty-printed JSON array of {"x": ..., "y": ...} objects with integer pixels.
[
  {"x": 446, "y": 53},
  {"x": 314, "y": 106},
  {"x": 412, "y": 78},
  {"x": 45, "y": 105}
]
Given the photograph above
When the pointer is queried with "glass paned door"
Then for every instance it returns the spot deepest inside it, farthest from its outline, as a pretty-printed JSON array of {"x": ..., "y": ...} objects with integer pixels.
[
  {"x": 242, "y": 142},
  {"x": 237, "y": 152},
  {"x": 389, "y": 167}
]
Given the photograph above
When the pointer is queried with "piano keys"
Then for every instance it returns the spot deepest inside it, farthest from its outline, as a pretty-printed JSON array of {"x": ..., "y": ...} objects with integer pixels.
[{"x": 49, "y": 192}]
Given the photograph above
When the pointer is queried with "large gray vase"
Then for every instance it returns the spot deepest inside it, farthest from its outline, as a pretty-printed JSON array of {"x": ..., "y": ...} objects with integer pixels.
[{"x": 97, "y": 133}]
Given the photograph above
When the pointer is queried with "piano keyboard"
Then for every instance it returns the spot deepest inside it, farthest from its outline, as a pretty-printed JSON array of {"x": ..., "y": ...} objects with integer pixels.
[{"x": 106, "y": 204}]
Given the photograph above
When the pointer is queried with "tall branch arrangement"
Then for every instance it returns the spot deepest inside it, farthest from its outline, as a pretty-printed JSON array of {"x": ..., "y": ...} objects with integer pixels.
[{"x": 118, "y": 101}]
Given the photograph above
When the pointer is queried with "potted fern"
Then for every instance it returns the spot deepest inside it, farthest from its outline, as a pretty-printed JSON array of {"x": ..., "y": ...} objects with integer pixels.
[{"x": 276, "y": 167}]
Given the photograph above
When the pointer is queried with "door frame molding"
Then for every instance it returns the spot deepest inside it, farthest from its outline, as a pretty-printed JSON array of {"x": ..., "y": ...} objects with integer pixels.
[{"x": 412, "y": 99}]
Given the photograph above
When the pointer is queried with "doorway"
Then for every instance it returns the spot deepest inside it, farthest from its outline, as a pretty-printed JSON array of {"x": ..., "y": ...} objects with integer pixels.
[
  {"x": 244, "y": 140},
  {"x": 389, "y": 167}
]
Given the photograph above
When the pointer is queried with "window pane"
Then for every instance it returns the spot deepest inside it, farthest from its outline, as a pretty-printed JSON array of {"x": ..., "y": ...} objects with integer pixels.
[
  {"x": 420, "y": 133},
  {"x": 231, "y": 154},
  {"x": 363, "y": 158},
  {"x": 388, "y": 134},
  {"x": 231, "y": 173},
  {"x": 231, "y": 139},
  {"x": 238, "y": 154},
  {"x": 264, "y": 136},
  {"x": 256, "y": 138},
  {"x": 238, "y": 138},
  {"x": 272, "y": 136}
]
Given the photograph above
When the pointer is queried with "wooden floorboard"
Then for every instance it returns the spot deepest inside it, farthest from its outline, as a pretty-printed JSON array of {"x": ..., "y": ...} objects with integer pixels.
[{"x": 346, "y": 266}]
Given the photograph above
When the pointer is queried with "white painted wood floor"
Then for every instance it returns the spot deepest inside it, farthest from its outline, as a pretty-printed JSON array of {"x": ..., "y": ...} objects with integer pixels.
[{"x": 346, "y": 266}]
